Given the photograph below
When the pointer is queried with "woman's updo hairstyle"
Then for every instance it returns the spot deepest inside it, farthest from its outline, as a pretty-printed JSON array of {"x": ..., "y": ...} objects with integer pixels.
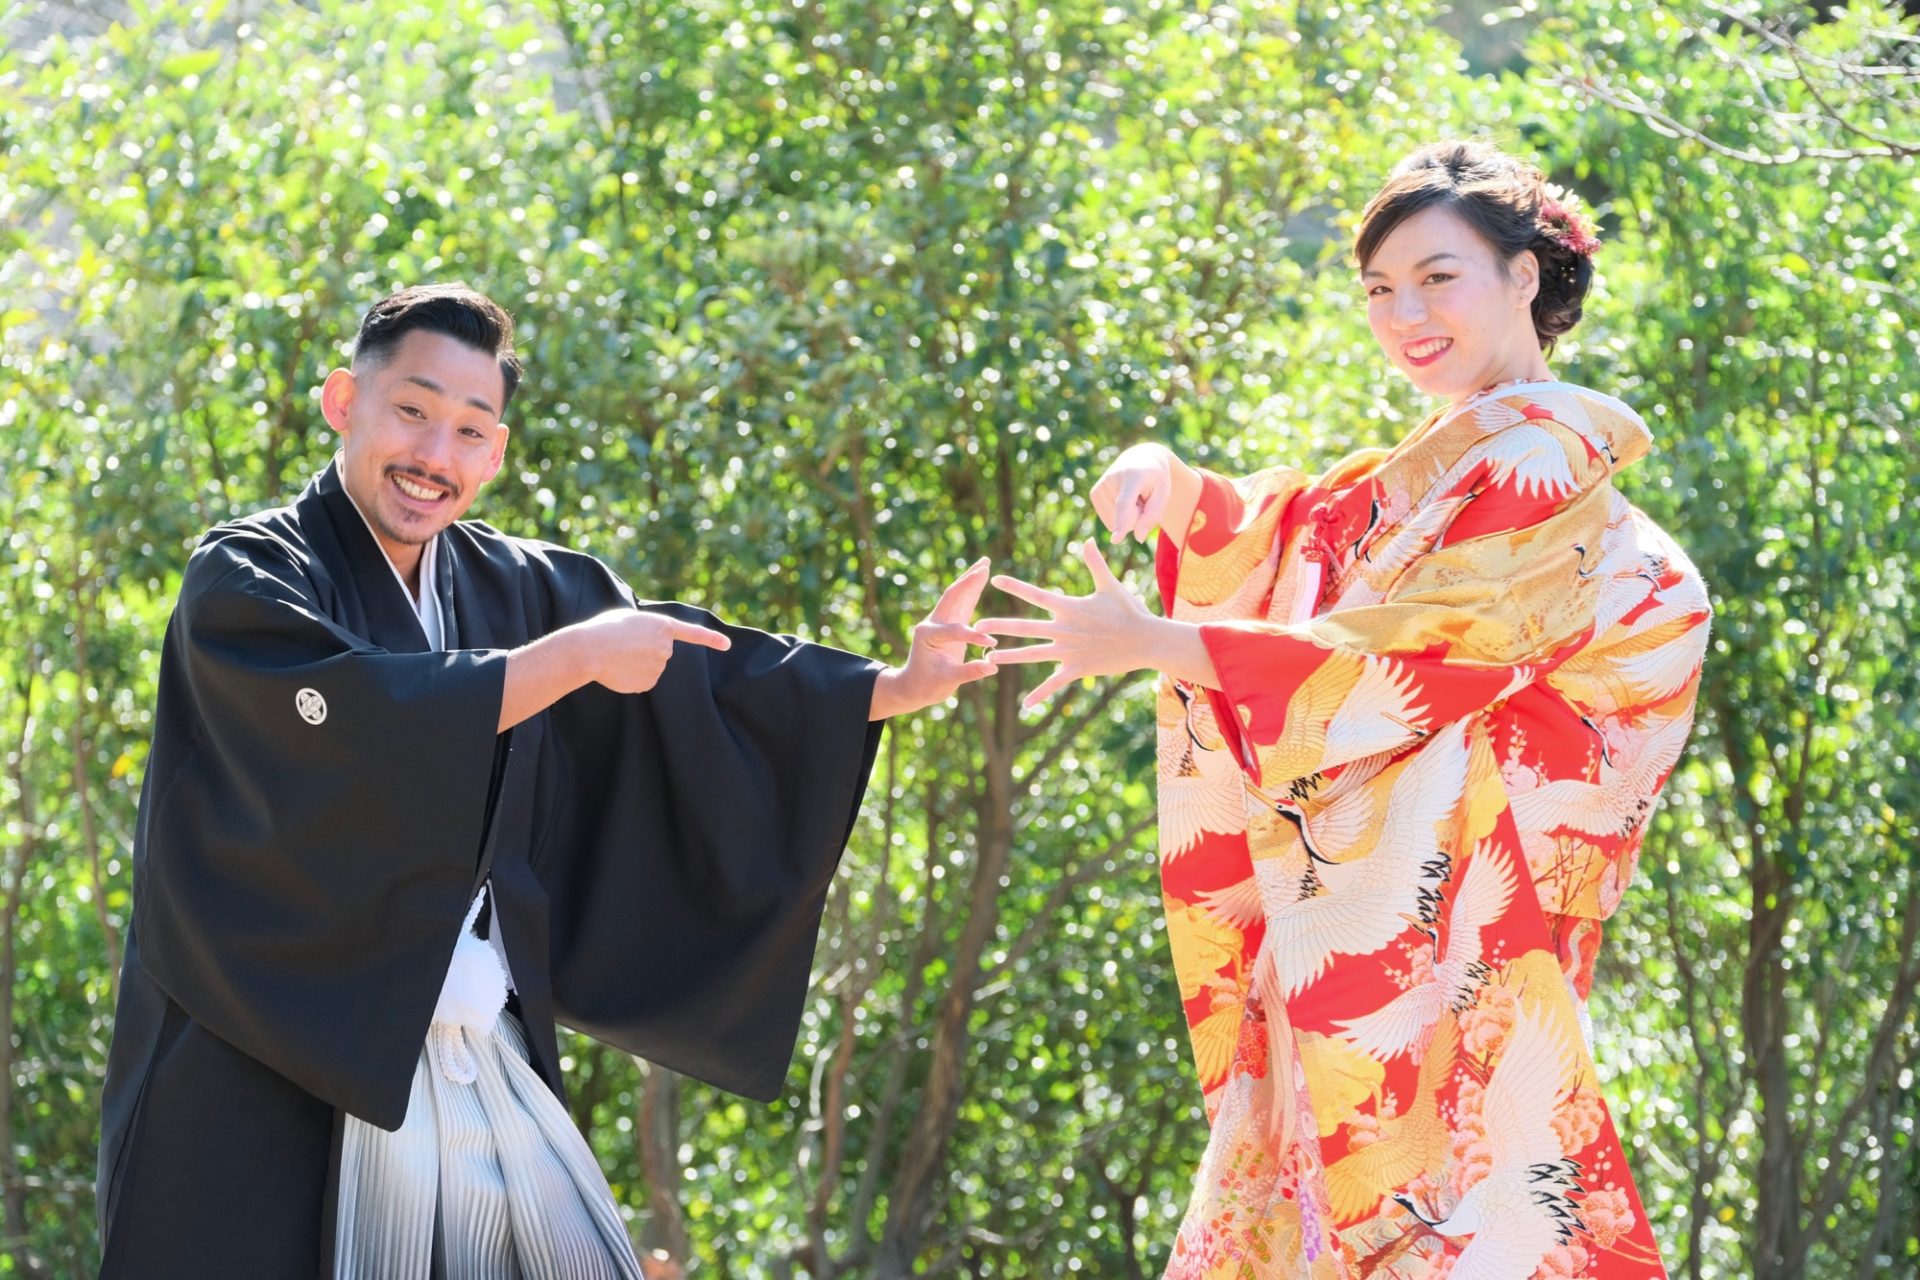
[{"x": 1507, "y": 201}]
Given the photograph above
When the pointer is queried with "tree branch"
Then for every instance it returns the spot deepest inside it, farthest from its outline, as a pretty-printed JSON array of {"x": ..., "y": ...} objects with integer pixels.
[
  {"x": 1058, "y": 747},
  {"x": 1035, "y": 929},
  {"x": 1881, "y": 1058},
  {"x": 1667, "y": 126}
]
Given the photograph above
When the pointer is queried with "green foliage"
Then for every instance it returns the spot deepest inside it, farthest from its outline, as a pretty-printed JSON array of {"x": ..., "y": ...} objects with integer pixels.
[
  {"x": 1768, "y": 316},
  {"x": 821, "y": 301}
]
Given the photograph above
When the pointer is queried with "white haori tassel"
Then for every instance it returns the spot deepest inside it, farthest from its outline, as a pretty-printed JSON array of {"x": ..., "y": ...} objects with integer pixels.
[{"x": 472, "y": 997}]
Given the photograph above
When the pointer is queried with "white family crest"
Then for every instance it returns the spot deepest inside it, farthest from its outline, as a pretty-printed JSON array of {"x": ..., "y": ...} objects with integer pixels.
[{"x": 311, "y": 706}]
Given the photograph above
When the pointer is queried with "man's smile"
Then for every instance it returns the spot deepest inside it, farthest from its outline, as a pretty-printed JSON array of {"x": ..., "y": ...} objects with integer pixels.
[{"x": 419, "y": 492}]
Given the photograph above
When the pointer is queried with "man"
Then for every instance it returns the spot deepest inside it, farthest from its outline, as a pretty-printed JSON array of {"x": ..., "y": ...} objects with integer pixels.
[{"x": 419, "y": 789}]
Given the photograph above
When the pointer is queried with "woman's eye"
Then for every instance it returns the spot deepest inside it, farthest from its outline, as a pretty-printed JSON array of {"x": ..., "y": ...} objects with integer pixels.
[
  {"x": 411, "y": 411},
  {"x": 1377, "y": 291},
  {"x": 1438, "y": 277}
]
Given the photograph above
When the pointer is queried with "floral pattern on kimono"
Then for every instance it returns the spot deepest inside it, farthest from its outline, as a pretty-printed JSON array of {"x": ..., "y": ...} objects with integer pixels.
[{"x": 1453, "y": 678}]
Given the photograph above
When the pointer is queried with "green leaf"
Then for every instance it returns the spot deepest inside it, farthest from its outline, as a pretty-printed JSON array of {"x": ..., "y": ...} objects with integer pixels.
[{"x": 183, "y": 65}]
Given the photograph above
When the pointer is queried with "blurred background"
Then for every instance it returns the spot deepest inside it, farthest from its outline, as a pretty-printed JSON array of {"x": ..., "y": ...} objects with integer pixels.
[{"x": 821, "y": 299}]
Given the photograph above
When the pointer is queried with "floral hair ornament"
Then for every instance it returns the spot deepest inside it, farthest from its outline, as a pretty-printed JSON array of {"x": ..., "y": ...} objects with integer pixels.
[{"x": 1562, "y": 223}]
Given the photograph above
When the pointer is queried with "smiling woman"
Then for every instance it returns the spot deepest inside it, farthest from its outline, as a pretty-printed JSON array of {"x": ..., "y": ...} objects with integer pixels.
[
  {"x": 1397, "y": 697},
  {"x": 1465, "y": 256}
]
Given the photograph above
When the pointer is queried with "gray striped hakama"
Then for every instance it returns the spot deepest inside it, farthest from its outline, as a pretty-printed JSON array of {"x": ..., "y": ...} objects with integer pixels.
[{"x": 486, "y": 1180}]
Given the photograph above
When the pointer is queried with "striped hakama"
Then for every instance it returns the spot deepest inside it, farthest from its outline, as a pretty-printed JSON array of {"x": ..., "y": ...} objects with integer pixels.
[
  {"x": 487, "y": 1178},
  {"x": 484, "y": 1181}
]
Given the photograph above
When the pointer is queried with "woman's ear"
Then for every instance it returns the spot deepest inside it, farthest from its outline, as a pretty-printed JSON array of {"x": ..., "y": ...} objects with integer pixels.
[{"x": 1524, "y": 272}]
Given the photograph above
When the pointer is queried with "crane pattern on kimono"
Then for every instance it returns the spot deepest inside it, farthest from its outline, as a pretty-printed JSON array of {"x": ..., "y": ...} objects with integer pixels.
[{"x": 1453, "y": 679}]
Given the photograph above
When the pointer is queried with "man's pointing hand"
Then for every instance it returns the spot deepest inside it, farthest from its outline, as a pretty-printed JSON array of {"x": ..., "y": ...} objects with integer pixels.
[
  {"x": 623, "y": 649},
  {"x": 627, "y": 649}
]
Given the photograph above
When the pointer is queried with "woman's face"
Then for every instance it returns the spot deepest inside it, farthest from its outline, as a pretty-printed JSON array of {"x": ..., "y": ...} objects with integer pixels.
[{"x": 1445, "y": 313}]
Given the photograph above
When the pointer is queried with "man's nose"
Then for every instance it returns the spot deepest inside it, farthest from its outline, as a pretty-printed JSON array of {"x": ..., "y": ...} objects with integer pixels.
[{"x": 433, "y": 448}]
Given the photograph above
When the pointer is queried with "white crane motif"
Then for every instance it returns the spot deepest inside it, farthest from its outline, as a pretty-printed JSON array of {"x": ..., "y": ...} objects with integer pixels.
[
  {"x": 1368, "y": 901},
  {"x": 1615, "y": 805},
  {"x": 1485, "y": 890},
  {"x": 1523, "y": 1208},
  {"x": 1202, "y": 789}
]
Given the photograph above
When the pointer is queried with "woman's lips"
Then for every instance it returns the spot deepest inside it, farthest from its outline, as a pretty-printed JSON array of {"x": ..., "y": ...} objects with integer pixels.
[{"x": 1422, "y": 354}]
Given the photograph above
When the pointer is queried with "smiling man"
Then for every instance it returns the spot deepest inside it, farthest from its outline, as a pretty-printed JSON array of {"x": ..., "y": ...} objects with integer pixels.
[{"x": 418, "y": 790}]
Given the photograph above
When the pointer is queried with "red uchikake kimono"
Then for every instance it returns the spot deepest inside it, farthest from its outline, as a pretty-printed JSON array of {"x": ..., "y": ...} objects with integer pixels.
[{"x": 1453, "y": 678}]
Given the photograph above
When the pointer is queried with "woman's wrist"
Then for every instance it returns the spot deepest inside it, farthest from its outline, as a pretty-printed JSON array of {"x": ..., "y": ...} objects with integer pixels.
[{"x": 1178, "y": 649}]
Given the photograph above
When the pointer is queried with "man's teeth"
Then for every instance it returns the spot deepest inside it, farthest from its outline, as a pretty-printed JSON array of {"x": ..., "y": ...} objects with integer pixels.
[
  {"x": 413, "y": 490},
  {"x": 1432, "y": 347}
]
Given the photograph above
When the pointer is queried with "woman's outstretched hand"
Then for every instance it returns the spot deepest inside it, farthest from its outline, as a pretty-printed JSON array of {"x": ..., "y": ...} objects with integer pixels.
[
  {"x": 1146, "y": 486},
  {"x": 1108, "y": 633}
]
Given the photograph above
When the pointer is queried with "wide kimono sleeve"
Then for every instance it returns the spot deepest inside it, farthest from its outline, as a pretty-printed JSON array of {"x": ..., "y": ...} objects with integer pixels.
[
  {"x": 1497, "y": 600},
  {"x": 691, "y": 852},
  {"x": 311, "y": 827}
]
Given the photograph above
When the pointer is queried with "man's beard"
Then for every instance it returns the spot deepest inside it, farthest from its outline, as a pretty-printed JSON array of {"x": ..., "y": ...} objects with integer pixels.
[
  {"x": 404, "y": 537},
  {"x": 407, "y": 537}
]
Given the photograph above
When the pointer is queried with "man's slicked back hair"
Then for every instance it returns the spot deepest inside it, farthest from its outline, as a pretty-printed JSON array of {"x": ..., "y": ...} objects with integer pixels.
[{"x": 463, "y": 314}]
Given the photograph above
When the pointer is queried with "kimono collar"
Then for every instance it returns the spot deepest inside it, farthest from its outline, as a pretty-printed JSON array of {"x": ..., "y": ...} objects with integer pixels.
[
  {"x": 1357, "y": 506},
  {"x": 1610, "y": 428},
  {"x": 427, "y": 606},
  {"x": 379, "y": 606}
]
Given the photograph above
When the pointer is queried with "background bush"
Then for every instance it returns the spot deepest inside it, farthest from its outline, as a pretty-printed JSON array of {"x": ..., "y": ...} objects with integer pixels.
[{"x": 824, "y": 298}]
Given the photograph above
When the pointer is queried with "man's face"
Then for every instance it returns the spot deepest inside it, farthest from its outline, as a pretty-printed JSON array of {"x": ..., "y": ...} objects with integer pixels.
[{"x": 420, "y": 435}]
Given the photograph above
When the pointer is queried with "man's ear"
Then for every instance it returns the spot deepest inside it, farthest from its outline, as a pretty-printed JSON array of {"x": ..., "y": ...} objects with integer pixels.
[
  {"x": 499, "y": 452},
  {"x": 336, "y": 398}
]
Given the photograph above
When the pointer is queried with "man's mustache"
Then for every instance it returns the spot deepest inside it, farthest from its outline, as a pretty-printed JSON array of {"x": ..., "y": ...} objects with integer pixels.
[{"x": 430, "y": 477}]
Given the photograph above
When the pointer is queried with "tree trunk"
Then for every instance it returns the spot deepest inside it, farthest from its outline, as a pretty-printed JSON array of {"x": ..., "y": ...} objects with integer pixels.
[
  {"x": 1776, "y": 1183},
  {"x": 912, "y": 1208},
  {"x": 590, "y": 1085},
  {"x": 15, "y": 1191},
  {"x": 657, "y": 1133},
  {"x": 82, "y": 746}
]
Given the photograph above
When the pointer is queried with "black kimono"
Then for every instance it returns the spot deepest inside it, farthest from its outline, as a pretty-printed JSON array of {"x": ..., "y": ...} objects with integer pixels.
[{"x": 325, "y": 796}]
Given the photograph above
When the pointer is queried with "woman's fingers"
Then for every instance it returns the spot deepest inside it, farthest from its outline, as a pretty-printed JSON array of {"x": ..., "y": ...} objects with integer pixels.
[
  {"x": 955, "y": 632},
  {"x": 1102, "y": 498},
  {"x": 1046, "y": 689},
  {"x": 1150, "y": 513},
  {"x": 1039, "y": 597},
  {"x": 1027, "y": 653},
  {"x": 1126, "y": 502},
  {"x": 1029, "y": 628},
  {"x": 1103, "y": 578}
]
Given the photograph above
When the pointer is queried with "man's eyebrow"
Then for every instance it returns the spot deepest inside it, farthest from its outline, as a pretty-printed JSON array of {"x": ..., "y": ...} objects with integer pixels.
[
  {"x": 439, "y": 390},
  {"x": 1429, "y": 260}
]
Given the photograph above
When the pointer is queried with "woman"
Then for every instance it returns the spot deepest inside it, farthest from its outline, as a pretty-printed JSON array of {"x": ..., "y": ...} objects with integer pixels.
[{"x": 1414, "y": 714}]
